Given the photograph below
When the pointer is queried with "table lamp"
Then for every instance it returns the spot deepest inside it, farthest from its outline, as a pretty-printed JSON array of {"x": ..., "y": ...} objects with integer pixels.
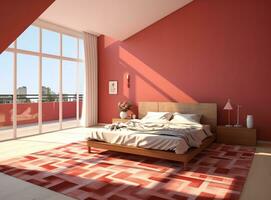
[
  {"x": 238, "y": 125},
  {"x": 228, "y": 107}
]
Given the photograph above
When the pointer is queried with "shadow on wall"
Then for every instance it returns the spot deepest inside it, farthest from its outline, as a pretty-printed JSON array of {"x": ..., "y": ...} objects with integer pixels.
[
  {"x": 146, "y": 83},
  {"x": 146, "y": 75}
]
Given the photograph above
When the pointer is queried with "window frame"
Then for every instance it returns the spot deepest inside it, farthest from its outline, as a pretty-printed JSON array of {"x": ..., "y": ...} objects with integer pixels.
[{"x": 41, "y": 24}]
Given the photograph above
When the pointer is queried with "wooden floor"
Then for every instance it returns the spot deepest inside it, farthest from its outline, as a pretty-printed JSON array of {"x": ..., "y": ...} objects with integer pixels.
[{"x": 257, "y": 185}]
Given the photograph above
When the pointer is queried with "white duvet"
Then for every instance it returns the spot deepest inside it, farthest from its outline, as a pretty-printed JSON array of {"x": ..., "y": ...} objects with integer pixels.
[{"x": 160, "y": 136}]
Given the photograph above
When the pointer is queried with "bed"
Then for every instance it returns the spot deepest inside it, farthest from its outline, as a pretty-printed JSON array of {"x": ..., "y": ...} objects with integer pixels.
[{"x": 101, "y": 138}]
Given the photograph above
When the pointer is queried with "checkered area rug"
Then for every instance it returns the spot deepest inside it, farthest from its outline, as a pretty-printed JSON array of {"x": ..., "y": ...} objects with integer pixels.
[{"x": 219, "y": 172}]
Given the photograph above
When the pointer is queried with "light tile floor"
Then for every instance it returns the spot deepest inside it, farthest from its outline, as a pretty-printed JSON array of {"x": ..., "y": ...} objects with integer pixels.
[
  {"x": 15, "y": 189},
  {"x": 257, "y": 185},
  {"x": 6, "y": 132}
]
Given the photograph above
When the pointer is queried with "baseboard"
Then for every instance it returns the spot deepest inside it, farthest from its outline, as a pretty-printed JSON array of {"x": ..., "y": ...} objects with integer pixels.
[{"x": 263, "y": 142}]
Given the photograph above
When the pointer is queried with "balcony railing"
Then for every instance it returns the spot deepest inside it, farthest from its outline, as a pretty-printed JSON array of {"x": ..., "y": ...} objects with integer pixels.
[
  {"x": 33, "y": 98},
  {"x": 27, "y": 108}
]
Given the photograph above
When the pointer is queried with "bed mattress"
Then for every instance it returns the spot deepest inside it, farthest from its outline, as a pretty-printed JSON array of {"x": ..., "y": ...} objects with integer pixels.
[{"x": 148, "y": 140}]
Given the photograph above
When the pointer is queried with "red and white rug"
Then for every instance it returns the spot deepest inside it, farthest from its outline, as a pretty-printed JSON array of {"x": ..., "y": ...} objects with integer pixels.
[{"x": 219, "y": 172}]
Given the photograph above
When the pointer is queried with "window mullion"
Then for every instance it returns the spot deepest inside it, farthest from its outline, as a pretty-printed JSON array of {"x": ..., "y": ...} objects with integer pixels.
[
  {"x": 14, "y": 110},
  {"x": 40, "y": 83},
  {"x": 77, "y": 84},
  {"x": 43, "y": 55},
  {"x": 60, "y": 86}
]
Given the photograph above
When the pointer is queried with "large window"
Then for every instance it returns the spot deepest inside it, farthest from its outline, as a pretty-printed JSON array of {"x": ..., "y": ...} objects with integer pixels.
[
  {"x": 29, "y": 39},
  {"x": 41, "y": 75},
  {"x": 6, "y": 95}
]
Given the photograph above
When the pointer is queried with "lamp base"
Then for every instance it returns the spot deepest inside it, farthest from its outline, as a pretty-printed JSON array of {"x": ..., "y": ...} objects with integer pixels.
[
  {"x": 237, "y": 126},
  {"x": 228, "y": 125}
]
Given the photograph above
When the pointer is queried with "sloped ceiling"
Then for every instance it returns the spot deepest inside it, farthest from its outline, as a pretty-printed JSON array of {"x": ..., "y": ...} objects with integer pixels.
[
  {"x": 16, "y": 16},
  {"x": 119, "y": 19}
]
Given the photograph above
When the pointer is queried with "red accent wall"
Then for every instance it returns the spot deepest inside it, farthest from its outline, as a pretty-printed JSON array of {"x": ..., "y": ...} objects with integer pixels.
[
  {"x": 16, "y": 16},
  {"x": 207, "y": 51}
]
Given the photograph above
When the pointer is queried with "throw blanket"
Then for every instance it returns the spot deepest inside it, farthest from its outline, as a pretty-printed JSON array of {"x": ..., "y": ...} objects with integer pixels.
[{"x": 184, "y": 131}]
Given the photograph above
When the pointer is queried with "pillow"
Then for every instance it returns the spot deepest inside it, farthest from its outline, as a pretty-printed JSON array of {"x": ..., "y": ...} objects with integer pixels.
[
  {"x": 185, "y": 118},
  {"x": 157, "y": 116}
]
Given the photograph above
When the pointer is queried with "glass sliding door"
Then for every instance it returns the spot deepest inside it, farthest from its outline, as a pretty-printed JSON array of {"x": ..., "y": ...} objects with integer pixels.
[
  {"x": 27, "y": 87},
  {"x": 81, "y": 76},
  {"x": 70, "y": 46},
  {"x": 69, "y": 88},
  {"x": 27, "y": 95},
  {"x": 50, "y": 94},
  {"x": 6, "y": 95},
  {"x": 50, "y": 80},
  {"x": 81, "y": 87}
]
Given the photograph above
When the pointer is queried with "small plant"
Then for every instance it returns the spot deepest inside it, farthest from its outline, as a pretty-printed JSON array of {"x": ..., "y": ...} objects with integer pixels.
[{"x": 124, "y": 106}]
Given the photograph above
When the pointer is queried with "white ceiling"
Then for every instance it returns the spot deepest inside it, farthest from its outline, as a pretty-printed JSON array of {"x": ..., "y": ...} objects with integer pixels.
[{"x": 119, "y": 19}]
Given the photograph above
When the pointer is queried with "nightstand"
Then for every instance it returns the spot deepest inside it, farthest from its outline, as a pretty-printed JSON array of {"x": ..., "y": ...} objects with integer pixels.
[
  {"x": 114, "y": 120},
  {"x": 239, "y": 136}
]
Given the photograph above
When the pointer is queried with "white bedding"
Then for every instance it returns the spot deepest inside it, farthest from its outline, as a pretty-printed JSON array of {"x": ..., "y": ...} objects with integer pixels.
[{"x": 151, "y": 139}]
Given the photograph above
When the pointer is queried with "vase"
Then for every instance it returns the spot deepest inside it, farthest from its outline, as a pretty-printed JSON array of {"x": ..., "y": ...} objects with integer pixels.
[
  {"x": 123, "y": 114},
  {"x": 249, "y": 121}
]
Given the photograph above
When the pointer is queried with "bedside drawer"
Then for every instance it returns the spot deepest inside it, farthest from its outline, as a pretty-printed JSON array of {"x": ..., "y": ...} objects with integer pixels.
[{"x": 237, "y": 136}]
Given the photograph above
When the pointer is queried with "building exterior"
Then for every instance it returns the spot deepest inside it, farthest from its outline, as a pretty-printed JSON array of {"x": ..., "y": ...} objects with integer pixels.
[{"x": 22, "y": 90}]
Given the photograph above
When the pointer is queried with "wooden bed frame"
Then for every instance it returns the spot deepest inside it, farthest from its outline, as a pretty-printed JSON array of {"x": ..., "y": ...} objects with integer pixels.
[{"x": 209, "y": 116}]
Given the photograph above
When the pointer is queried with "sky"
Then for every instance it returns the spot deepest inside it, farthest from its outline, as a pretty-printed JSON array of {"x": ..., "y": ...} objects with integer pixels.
[{"x": 27, "y": 65}]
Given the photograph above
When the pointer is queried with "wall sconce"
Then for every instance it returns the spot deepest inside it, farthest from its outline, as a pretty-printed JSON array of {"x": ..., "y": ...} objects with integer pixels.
[{"x": 128, "y": 80}]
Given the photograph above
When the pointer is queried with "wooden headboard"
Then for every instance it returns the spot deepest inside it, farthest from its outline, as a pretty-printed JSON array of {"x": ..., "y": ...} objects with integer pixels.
[{"x": 207, "y": 110}]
